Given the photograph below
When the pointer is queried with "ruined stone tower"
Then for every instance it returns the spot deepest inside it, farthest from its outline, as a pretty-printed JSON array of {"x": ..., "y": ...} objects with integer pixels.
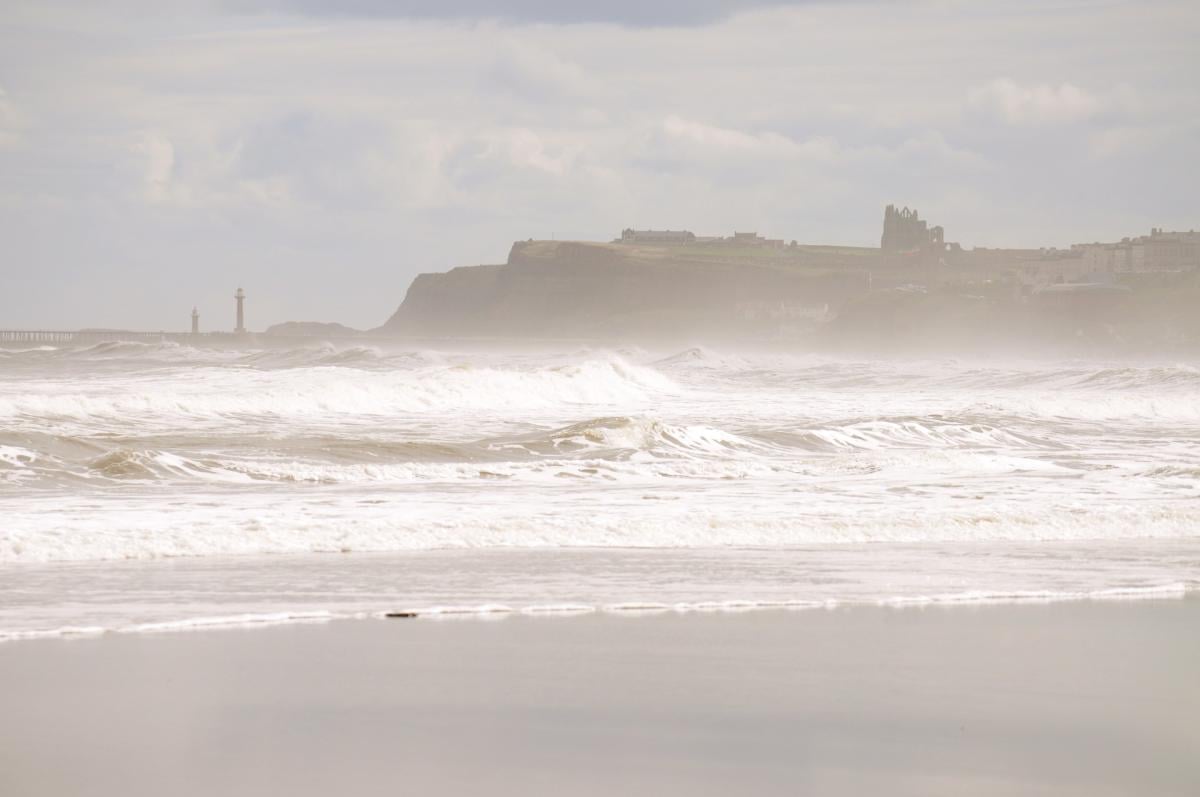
[{"x": 905, "y": 231}]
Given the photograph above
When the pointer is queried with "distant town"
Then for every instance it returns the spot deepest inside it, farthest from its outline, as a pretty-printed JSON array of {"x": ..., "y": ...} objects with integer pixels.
[
  {"x": 909, "y": 241},
  {"x": 914, "y": 289},
  {"x": 746, "y": 285}
]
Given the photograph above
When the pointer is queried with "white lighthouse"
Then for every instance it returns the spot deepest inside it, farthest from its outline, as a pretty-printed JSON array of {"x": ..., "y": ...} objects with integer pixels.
[{"x": 241, "y": 317}]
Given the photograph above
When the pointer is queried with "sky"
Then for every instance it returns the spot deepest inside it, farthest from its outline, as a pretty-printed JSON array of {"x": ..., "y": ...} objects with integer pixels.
[{"x": 155, "y": 156}]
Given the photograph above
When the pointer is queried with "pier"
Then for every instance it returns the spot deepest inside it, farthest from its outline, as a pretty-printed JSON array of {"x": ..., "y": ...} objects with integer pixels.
[
  {"x": 98, "y": 335},
  {"x": 60, "y": 336}
]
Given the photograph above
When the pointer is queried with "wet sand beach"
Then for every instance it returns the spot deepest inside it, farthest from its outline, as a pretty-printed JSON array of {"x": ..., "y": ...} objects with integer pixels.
[{"x": 1088, "y": 698}]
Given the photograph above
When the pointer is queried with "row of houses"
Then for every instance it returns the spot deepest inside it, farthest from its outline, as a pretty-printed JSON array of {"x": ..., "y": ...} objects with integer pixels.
[
  {"x": 1158, "y": 251},
  {"x": 907, "y": 236},
  {"x": 684, "y": 237}
]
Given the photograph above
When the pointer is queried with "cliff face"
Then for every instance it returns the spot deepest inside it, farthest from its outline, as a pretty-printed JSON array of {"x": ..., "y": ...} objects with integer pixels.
[
  {"x": 834, "y": 296},
  {"x": 458, "y": 302},
  {"x": 563, "y": 288}
]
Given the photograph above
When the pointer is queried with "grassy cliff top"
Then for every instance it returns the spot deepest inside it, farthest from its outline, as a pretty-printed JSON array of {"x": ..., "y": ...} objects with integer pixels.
[{"x": 706, "y": 253}]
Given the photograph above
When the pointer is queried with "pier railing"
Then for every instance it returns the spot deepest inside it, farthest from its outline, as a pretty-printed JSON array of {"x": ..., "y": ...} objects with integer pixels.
[{"x": 59, "y": 336}]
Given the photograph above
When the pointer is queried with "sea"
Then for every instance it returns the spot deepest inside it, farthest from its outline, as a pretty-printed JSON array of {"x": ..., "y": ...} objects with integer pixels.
[{"x": 163, "y": 487}]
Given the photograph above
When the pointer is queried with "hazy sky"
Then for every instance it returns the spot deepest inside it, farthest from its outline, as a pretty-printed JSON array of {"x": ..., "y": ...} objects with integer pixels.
[{"x": 156, "y": 155}]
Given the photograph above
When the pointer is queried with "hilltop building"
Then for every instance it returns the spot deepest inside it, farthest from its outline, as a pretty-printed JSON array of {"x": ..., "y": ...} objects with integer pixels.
[
  {"x": 1166, "y": 251},
  {"x": 681, "y": 237},
  {"x": 658, "y": 237},
  {"x": 754, "y": 239},
  {"x": 1157, "y": 252},
  {"x": 909, "y": 242},
  {"x": 905, "y": 231}
]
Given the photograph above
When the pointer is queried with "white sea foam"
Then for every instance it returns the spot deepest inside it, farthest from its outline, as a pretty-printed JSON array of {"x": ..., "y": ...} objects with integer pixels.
[
  {"x": 15, "y": 456},
  {"x": 461, "y": 612},
  {"x": 408, "y": 523},
  {"x": 624, "y": 608},
  {"x": 554, "y": 609},
  {"x": 15, "y": 634},
  {"x": 150, "y": 451},
  {"x": 228, "y": 621},
  {"x": 1174, "y": 589},
  {"x": 323, "y": 393},
  {"x": 197, "y": 594}
]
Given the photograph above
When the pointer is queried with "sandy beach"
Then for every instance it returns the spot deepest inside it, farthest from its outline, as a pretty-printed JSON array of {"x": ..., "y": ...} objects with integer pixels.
[{"x": 1088, "y": 697}]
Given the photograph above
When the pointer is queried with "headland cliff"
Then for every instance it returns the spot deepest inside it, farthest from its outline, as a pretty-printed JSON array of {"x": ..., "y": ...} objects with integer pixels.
[{"x": 914, "y": 291}]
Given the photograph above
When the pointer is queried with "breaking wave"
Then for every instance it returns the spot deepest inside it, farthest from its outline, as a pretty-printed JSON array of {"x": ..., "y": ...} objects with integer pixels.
[
  {"x": 614, "y": 448},
  {"x": 786, "y": 480},
  {"x": 168, "y": 450},
  {"x": 326, "y": 391},
  {"x": 632, "y": 434},
  {"x": 281, "y": 523},
  {"x": 829, "y": 372}
]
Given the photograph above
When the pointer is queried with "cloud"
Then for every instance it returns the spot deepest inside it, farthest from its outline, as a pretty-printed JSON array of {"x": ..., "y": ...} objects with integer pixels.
[
  {"x": 1144, "y": 142},
  {"x": 1034, "y": 104},
  {"x": 391, "y": 138},
  {"x": 159, "y": 165},
  {"x": 540, "y": 74},
  {"x": 712, "y": 137},
  {"x": 10, "y": 121},
  {"x": 706, "y": 143},
  {"x": 633, "y": 13},
  {"x": 199, "y": 173}
]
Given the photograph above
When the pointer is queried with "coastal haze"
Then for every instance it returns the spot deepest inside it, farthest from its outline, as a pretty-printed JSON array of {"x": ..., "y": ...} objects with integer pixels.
[
  {"x": 155, "y": 156},
  {"x": 792, "y": 343}
]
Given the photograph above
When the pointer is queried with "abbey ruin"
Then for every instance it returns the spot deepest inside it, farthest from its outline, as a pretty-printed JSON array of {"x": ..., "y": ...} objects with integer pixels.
[{"x": 904, "y": 231}]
